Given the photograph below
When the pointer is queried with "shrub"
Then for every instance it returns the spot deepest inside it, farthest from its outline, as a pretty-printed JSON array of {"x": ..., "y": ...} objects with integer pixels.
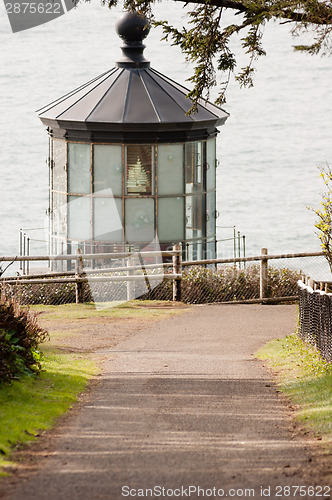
[
  {"x": 199, "y": 285},
  {"x": 227, "y": 283},
  {"x": 19, "y": 338}
]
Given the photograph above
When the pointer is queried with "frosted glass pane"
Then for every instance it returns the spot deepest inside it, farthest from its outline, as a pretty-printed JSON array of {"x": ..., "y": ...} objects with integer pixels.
[
  {"x": 108, "y": 219},
  {"x": 139, "y": 219},
  {"x": 79, "y": 162},
  {"x": 189, "y": 212},
  {"x": 108, "y": 168},
  {"x": 194, "y": 212},
  {"x": 59, "y": 166},
  {"x": 170, "y": 169},
  {"x": 171, "y": 219},
  {"x": 79, "y": 214},
  {"x": 59, "y": 214},
  {"x": 211, "y": 164},
  {"x": 211, "y": 213}
]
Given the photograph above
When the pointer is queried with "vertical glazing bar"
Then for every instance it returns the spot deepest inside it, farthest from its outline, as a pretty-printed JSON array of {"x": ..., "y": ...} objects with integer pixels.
[
  {"x": 92, "y": 206},
  {"x": 124, "y": 184},
  {"x": 50, "y": 189},
  {"x": 69, "y": 249}
]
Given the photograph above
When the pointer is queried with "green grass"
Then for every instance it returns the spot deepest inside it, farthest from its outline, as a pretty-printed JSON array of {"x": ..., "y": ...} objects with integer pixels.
[
  {"x": 136, "y": 308},
  {"x": 33, "y": 404},
  {"x": 306, "y": 379}
]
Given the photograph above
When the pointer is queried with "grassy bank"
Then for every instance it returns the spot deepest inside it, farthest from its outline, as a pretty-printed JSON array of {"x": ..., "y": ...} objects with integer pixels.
[
  {"x": 32, "y": 404},
  {"x": 306, "y": 379}
]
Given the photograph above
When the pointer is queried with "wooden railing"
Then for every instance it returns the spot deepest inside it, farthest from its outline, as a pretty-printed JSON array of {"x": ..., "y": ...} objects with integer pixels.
[{"x": 81, "y": 275}]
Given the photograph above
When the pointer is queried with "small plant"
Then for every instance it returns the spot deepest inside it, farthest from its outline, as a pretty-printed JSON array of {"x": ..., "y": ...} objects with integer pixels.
[
  {"x": 20, "y": 336},
  {"x": 324, "y": 214}
]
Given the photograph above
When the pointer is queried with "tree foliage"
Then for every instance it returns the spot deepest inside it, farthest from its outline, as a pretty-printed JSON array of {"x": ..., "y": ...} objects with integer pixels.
[
  {"x": 324, "y": 215},
  {"x": 207, "y": 36}
]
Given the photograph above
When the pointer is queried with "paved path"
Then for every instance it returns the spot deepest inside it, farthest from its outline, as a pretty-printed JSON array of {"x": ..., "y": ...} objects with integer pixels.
[{"x": 183, "y": 403}]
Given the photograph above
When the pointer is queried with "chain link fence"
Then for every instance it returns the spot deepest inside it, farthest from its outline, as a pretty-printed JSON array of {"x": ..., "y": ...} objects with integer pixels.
[
  {"x": 315, "y": 315},
  {"x": 96, "y": 286},
  {"x": 241, "y": 280},
  {"x": 238, "y": 280}
]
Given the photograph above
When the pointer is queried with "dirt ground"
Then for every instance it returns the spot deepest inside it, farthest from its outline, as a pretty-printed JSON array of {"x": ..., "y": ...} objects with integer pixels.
[{"x": 181, "y": 401}]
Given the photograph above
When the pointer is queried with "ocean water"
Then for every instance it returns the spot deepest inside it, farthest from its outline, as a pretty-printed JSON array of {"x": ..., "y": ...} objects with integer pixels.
[{"x": 277, "y": 134}]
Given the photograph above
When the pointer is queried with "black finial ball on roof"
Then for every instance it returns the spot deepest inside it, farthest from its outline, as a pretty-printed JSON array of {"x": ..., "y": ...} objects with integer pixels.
[{"x": 132, "y": 27}]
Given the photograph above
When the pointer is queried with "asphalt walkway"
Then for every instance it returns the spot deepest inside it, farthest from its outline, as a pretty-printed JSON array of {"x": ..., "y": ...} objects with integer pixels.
[{"x": 182, "y": 404}]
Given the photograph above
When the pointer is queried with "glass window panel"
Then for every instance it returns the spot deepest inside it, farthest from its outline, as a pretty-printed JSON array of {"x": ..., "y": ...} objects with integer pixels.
[
  {"x": 139, "y": 219},
  {"x": 194, "y": 250},
  {"x": 108, "y": 219},
  {"x": 79, "y": 214},
  {"x": 211, "y": 250},
  {"x": 189, "y": 251},
  {"x": 107, "y": 173},
  {"x": 195, "y": 211},
  {"x": 79, "y": 174},
  {"x": 211, "y": 213},
  {"x": 198, "y": 251},
  {"x": 139, "y": 169},
  {"x": 189, "y": 211},
  {"x": 170, "y": 169},
  {"x": 59, "y": 166},
  {"x": 59, "y": 214},
  {"x": 170, "y": 219},
  {"x": 211, "y": 164},
  {"x": 193, "y": 166}
]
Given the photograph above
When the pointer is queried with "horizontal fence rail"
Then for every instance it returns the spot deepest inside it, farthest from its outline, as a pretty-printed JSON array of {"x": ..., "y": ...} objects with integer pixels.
[
  {"x": 162, "y": 275},
  {"x": 88, "y": 256},
  {"x": 95, "y": 279},
  {"x": 254, "y": 258}
]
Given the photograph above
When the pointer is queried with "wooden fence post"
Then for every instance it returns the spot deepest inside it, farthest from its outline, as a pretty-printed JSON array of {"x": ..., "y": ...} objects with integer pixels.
[
  {"x": 79, "y": 274},
  {"x": 263, "y": 282},
  {"x": 177, "y": 269}
]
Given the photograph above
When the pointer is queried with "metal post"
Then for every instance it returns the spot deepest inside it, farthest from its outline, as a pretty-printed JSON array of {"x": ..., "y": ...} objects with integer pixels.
[
  {"x": 62, "y": 262},
  {"x": 177, "y": 269},
  {"x": 21, "y": 249},
  {"x": 24, "y": 240},
  {"x": 244, "y": 248},
  {"x": 28, "y": 253},
  {"x": 79, "y": 274},
  {"x": 234, "y": 242},
  {"x": 130, "y": 284},
  {"x": 263, "y": 275},
  {"x": 148, "y": 286},
  {"x": 239, "y": 246}
]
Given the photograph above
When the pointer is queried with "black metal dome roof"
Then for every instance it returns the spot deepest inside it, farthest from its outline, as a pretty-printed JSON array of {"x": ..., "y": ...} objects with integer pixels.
[{"x": 131, "y": 102}]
